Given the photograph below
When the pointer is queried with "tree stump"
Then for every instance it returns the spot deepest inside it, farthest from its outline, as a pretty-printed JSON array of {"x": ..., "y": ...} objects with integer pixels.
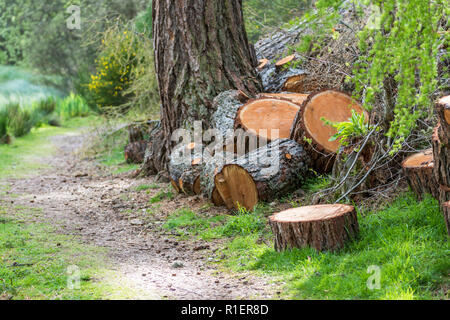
[
  {"x": 443, "y": 110},
  {"x": 310, "y": 130},
  {"x": 261, "y": 116},
  {"x": 446, "y": 211},
  {"x": 418, "y": 169},
  {"x": 323, "y": 227},
  {"x": 441, "y": 154},
  {"x": 262, "y": 174},
  {"x": 155, "y": 151}
]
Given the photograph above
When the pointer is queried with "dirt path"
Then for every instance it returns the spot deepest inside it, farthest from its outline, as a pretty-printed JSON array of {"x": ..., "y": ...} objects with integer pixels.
[{"x": 79, "y": 198}]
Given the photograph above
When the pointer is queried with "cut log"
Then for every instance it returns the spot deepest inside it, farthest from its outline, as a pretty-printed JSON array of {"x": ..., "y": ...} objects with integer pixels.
[
  {"x": 443, "y": 110},
  {"x": 441, "y": 153},
  {"x": 261, "y": 116},
  {"x": 285, "y": 79},
  {"x": 297, "y": 98},
  {"x": 285, "y": 61},
  {"x": 446, "y": 211},
  {"x": 262, "y": 64},
  {"x": 155, "y": 151},
  {"x": 418, "y": 169},
  {"x": 310, "y": 130},
  {"x": 263, "y": 174},
  {"x": 212, "y": 167},
  {"x": 185, "y": 168},
  {"x": 135, "y": 152},
  {"x": 323, "y": 227}
]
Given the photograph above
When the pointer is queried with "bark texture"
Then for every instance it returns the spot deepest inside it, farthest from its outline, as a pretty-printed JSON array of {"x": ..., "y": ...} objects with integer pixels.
[
  {"x": 211, "y": 167},
  {"x": 323, "y": 227},
  {"x": 155, "y": 151},
  {"x": 135, "y": 152},
  {"x": 276, "y": 79},
  {"x": 446, "y": 211},
  {"x": 201, "y": 50},
  {"x": 185, "y": 168},
  {"x": 263, "y": 174},
  {"x": 418, "y": 169},
  {"x": 441, "y": 154}
]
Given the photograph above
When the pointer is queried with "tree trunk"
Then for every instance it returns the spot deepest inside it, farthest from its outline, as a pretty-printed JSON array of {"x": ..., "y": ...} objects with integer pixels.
[
  {"x": 263, "y": 174},
  {"x": 201, "y": 50},
  {"x": 310, "y": 130},
  {"x": 418, "y": 169},
  {"x": 323, "y": 227}
]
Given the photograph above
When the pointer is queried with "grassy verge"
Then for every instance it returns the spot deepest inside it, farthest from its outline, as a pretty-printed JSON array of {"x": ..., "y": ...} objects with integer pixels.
[
  {"x": 405, "y": 244},
  {"x": 24, "y": 155},
  {"x": 38, "y": 263}
]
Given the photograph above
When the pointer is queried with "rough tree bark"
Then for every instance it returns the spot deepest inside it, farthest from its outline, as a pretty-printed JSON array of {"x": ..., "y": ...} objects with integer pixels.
[{"x": 201, "y": 50}]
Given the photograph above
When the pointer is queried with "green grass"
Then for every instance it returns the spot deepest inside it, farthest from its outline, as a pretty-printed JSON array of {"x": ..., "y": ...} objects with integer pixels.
[
  {"x": 161, "y": 196},
  {"x": 25, "y": 155},
  {"x": 407, "y": 241},
  {"x": 35, "y": 263}
]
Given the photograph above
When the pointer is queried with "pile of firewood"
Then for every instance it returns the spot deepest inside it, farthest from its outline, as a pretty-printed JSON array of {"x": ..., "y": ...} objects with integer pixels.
[{"x": 429, "y": 171}]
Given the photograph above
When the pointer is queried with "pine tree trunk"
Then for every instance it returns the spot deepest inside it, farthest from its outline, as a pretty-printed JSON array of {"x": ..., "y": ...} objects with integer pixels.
[
  {"x": 201, "y": 50},
  {"x": 323, "y": 227}
]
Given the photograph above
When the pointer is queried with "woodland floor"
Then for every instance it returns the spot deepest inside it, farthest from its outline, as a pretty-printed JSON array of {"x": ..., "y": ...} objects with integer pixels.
[
  {"x": 62, "y": 205},
  {"x": 78, "y": 197}
]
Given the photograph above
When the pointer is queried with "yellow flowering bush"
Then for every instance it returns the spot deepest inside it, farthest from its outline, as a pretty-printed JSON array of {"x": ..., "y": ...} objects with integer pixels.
[{"x": 110, "y": 83}]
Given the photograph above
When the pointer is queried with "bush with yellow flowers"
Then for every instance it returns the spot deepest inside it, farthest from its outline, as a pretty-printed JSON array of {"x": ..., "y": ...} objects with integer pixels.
[{"x": 110, "y": 83}]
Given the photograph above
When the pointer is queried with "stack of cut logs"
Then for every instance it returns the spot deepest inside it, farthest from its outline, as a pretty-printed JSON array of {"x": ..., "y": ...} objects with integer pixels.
[{"x": 429, "y": 171}]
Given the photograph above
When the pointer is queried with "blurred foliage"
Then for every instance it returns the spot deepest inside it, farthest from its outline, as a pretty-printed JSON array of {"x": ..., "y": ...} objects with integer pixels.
[
  {"x": 263, "y": 17},
  {"x": 35, "y": 34}
]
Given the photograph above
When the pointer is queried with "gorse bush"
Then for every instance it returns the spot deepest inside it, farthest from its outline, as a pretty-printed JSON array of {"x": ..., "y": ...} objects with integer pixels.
[{"x": 114, "y": 66}]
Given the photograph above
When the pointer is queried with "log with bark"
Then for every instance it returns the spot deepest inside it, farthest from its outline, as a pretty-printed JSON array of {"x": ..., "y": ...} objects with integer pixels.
[
  {"x": 323, "y": 227},
  {"x": 418, "y": 170},
  {"x": 137, "y": 137},
  {"x": 267, "y": 118},
  {"x": 446, "y": 211},
  {"x": 212, "y": 166},
  {"x": 441, "y": 153},
  {"x": 185, "y": 169},
  {"x": 280, "y": 76},
  {"x": 263, "y": 174},
  {"x": 155, "y": 152},
  {"x": 441, "y": 149},
  {"x": 310, "y": 130}
]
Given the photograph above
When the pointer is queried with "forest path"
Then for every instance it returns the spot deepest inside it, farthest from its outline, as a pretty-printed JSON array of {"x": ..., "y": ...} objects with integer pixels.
[{"x": 79, "y": 199}]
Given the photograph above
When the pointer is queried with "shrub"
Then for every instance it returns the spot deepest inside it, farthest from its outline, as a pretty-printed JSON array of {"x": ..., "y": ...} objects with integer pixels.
[
  {"x": 20, "y": 121},
  {"x": 72, "y": 106},
  {"x": 115, "y": 63},
  {"x": 4, "y": 137}
]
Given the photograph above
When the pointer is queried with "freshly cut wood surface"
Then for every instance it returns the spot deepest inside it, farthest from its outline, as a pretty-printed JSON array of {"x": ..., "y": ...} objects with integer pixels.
[
  {"x": 310, "y": 130},
  {"x": 323, "y": 227},
  {"x": 263, "y": 63},
  {"x": 297, "y": 98},
  {"x": 263, "y": 174},
  {"x": 443, "y": 106},
  {"x": 263, "y": 115},
  {"x": 418, "y": 169},
  {"x": 285, "y": 60}
]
